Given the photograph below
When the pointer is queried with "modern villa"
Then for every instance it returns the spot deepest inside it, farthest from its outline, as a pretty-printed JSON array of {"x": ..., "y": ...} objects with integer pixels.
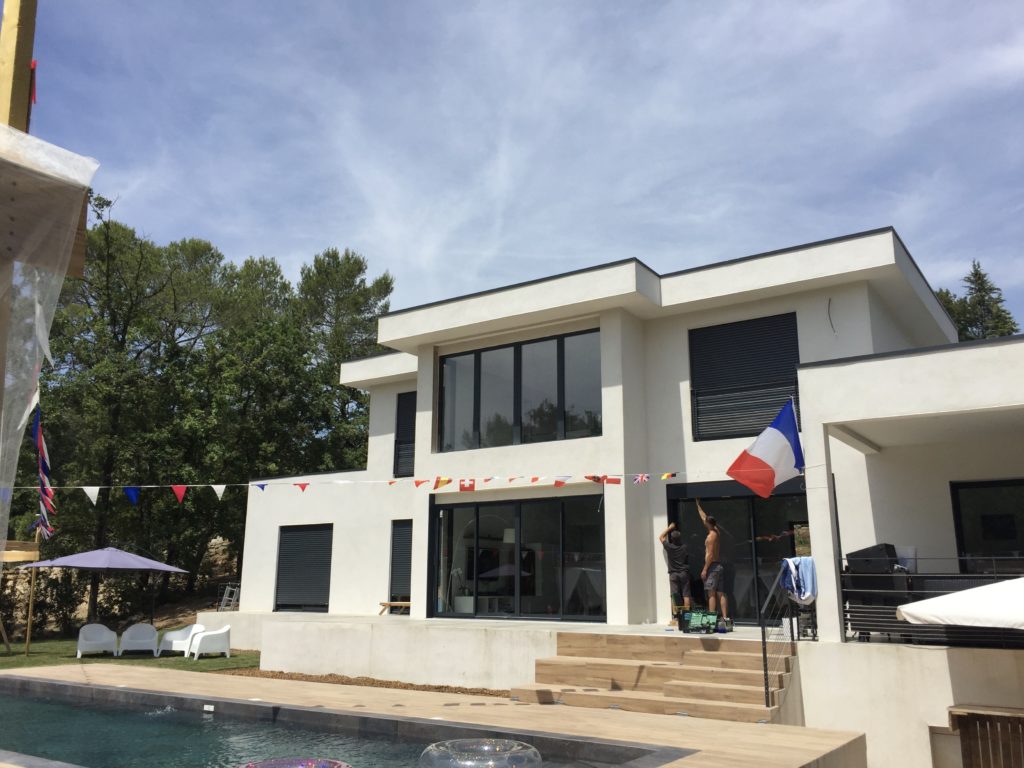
[{"x": 528, "y": 444}]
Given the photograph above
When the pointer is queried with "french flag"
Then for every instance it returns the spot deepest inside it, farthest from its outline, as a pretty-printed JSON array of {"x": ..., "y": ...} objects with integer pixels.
[{"x": 774, "y": 458}]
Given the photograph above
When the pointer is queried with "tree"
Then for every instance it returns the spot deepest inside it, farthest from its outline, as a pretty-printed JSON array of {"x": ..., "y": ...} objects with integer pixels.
[
  {"x": 980, "y": 313},
  {"x": 338, "y": 311}
]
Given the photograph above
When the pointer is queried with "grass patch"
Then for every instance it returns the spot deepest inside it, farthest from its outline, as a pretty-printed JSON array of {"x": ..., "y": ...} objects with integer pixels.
[{"x": 45, "y": 653}]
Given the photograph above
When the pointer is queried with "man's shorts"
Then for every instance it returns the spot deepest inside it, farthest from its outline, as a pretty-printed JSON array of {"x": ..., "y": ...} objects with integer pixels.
[
  {"x": 716, "y": 574},
  {"x": 679, "y": 582}
]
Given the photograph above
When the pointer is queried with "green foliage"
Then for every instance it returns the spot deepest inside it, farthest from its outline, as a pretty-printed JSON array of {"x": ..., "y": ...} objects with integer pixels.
[
  {"x": 175, "y": 366},
  {"x": 980, "y": 313}
]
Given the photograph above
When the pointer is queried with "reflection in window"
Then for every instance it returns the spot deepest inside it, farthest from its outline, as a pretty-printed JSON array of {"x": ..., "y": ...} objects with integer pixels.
[
  {"x": 458, "y": 376},
  {"x": 497, "y": 396},
  {"x": 535, "y": 391},
  {"x": 540, "y": 391},
  {"x": 456, "y": 545},
  {"x": 990, "y": 526},
  {"x": 582, "y": 385},
  {"x": 584, "y": 579}
]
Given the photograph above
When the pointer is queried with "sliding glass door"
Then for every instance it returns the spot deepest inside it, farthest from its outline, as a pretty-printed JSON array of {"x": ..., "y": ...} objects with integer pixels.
[{"x": 540, "y": 559}]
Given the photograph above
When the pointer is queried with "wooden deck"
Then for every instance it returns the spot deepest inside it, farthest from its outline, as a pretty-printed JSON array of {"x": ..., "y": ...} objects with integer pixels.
[{"x": 720, "y": 744}]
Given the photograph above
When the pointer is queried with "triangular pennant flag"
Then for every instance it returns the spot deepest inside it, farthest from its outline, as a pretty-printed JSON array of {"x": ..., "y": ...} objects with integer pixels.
[
  {"x": 301, "y": 486},
  {"x": 562, "y": 480},
  {"x": 179, "y": 492},
  {"x": 609, "y": 480},
  {"x": 488, "y": 479},
  {"x": 418, "y": 483},
  {"x": 93, "y": 492},
  {"x": 392, "y": 482},
  {"x": 534, "y": 479},
  {"x": 667, "y": 475},
  {"x": 514, "y": 478},
  {"x": 219, "y": 490},
  {"x": 441, "y": 482},
  {"x": 132, "y": 492},
  {"x": 261, "y": 486},
  {"x": 594, "y": 478}
]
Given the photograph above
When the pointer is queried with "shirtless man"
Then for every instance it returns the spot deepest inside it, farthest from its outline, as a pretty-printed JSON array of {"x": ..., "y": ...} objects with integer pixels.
[{"x": 713, "y": 573}]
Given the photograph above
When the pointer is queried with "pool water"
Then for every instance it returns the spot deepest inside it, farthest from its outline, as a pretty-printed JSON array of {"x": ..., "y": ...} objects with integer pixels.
[{"x": 101, "y": 737}]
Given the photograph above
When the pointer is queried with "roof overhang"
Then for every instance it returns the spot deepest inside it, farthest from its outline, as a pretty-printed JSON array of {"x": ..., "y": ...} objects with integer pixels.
[
  {"x": 375, "y": 371},
  {"x": 876, "y": 258},
  {"x": 929, "y": 396}
]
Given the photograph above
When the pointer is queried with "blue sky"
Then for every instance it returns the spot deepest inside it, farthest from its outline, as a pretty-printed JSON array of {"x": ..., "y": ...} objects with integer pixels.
[{"x": 466, "y": 145}]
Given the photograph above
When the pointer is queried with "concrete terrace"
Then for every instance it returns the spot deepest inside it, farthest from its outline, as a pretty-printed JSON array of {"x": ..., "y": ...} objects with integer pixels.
[{"x": 718, "y": 744}]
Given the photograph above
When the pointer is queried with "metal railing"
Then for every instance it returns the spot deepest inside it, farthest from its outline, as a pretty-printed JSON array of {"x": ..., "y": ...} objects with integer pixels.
[
  {"x": 873, "y": 590},
  {"x": 783, "y": 622}
]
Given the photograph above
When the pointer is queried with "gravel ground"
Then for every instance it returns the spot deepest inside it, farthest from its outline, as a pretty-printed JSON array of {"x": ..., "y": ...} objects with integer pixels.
[{"x": 364, "y": 681}]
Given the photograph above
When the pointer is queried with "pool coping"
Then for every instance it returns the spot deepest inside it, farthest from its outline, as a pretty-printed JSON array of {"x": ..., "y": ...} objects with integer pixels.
[{"x": 621, "y": 754}]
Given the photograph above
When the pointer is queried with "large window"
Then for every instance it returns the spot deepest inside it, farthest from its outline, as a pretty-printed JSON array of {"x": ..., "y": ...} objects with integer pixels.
[
  {"x": 741, "y": 374},
  {"x": 542, "y": 558},
  {"x": 989, "y": 519},
  {"x": 531, "y": 392}
]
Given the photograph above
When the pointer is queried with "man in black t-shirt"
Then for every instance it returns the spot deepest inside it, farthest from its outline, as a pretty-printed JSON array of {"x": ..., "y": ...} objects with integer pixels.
[{"x": 678, "y": 568}]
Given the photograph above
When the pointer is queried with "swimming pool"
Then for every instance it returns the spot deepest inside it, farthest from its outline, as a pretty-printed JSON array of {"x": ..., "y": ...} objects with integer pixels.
[{"x": 107, "y": 727}]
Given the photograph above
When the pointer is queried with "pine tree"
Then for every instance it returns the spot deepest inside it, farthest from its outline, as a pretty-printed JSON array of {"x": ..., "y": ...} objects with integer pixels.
[{"x": 980, "y": 313}]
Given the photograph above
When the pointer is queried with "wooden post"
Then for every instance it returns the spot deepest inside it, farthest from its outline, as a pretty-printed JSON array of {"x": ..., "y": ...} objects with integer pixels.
[
  {"x": 31, "y": 598},
  {"x": 17, "y": 36}
]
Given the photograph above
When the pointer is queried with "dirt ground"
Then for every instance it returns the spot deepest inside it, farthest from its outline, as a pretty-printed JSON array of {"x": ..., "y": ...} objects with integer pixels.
[{"x": 365, "y": 681}]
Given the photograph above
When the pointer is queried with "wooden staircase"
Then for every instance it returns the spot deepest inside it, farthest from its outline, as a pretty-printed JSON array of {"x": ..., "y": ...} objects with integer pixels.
[{"x": 697, "y": 675}]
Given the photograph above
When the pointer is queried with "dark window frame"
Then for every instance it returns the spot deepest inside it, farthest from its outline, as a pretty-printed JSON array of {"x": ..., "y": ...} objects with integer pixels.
[
  {"x": 310, "y": 607},
  {"x": 398, "y": 470},
  {"x": 964, "y": 559},
  {"x": 517, "y": 390},
  {"x": 786, "y": 386},
  {"x": 432, "y": 562}
]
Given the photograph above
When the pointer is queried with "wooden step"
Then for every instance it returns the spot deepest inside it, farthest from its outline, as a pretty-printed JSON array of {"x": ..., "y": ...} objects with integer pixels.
[
  {"x": 609, "y": 674},
  {"x": 731, "y": 660},
  {"x": 669, "y": 647},
  {"x": 640, "y": 701},
  {"x": 629, "y": 674},
  {"x": 725, "y": 692},
  {"x": 728, "y": 676}
]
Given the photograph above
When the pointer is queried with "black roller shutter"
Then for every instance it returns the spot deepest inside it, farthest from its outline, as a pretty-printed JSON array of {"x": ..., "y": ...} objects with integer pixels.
[
  {"x": 741, "y": 374},
  {"x": 401, "y": 561},
  {"x": 405, "y": 434},
  {"x": 304, "y": 568}
]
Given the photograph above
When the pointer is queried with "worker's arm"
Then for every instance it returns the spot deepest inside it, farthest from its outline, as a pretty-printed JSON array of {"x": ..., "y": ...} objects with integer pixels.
[
  {"x": 664, "y": 534},
  {"x": 701, "y": 512}
]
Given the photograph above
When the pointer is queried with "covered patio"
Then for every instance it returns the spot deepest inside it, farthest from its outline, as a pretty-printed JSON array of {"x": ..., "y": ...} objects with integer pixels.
[{"x": 915, "y": 483}]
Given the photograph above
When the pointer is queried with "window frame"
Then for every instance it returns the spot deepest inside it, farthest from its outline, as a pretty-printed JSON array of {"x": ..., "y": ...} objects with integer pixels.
[
  {"x": 517, "y": 391},
  {"x": 964, "y": 558}
]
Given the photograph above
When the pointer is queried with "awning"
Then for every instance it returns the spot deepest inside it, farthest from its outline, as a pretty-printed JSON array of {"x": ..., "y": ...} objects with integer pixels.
[{"x": 999, "y": 604}]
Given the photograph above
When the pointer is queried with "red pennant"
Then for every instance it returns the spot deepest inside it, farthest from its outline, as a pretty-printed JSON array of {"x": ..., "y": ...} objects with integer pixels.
[
  {"x": 301, "y": 486},
  {"x": 513, "y": 478},
  {"x": 611, "y": 480},
  {"x": 392, "y": 482},
  {"x": 418, "y": 483},
  {"x": 559, "y": 482},
  {"x": 179, "y": 491},
  {"x": 467, "y": 484},
  {"x": 534, "y": 479}
]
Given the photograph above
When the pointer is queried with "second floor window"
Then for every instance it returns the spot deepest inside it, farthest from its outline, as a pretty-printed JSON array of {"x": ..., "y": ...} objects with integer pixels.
[
  {"x": 535, "y": 391},
  {"x": 741, "y": 374}
]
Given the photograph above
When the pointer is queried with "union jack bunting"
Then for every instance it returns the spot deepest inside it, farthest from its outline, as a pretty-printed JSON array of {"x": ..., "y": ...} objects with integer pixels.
[
  {"x": 47, "y": 503},
  {"x": 641, "y": 478}
]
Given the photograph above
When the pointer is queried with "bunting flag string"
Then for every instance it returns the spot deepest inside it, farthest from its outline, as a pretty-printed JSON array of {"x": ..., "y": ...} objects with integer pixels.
[{"x": 47, "y": 491}]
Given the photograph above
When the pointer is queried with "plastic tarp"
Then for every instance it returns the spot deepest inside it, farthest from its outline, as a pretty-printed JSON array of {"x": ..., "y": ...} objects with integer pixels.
[
  {"x": 999, "y": 604},
  {"x": 41, "y": 192}
]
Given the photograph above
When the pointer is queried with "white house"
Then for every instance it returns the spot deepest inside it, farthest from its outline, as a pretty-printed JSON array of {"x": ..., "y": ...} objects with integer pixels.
[{"x": 527, "y": 396}]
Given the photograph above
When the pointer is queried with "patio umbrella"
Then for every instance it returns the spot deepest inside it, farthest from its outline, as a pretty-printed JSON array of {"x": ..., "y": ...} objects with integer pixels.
[
  {"x": 106, "y": 559},
  {"x": 994, "y": 605}
]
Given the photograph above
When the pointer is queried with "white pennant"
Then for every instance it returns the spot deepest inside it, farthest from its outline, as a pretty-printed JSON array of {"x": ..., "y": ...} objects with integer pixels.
[
  {"x": 92, "y": 491},
  {"x": 219, "y": 490}
]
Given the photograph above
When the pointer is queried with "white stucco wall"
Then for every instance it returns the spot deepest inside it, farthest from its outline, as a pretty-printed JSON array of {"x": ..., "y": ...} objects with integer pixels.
[
  {"x": 893, "y": 693},
  {"x": 361, "y": 514}
]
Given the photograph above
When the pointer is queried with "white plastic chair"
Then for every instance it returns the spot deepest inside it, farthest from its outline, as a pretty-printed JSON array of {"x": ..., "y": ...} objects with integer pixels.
[
  {"x": 138, "y": 637},
  {"x": 179, "y": 639},
  {"x": 95, "y": 638},
  {"x": 214, "y": 641}
]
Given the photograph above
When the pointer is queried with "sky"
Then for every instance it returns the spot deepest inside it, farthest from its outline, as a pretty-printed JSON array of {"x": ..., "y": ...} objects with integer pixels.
[{"x": 464, "y": 145}]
